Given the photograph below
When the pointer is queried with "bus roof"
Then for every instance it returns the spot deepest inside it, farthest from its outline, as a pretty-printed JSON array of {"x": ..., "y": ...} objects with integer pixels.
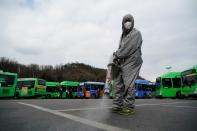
[
  {"x": 145, "y": 82},
  {"x": 171, "y": 75},
  {"x": 70, "y": 83},
  {"x": 194, "y": 67},
  {"x": 52, "y": 83},
  {"x": 28, "y": 79},
  {"x": 92, "y": 83},
  {"x": 8, "y": 73}
]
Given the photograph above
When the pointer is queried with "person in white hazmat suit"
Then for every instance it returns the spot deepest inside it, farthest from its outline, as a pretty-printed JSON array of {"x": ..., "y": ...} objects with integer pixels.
[{"x": 128, "y": 60}]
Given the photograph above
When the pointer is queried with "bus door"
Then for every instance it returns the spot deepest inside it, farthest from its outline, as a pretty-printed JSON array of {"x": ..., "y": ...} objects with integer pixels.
[
  {"x": 167, "y": 89},
  {"x": 176, "y": 87},
  {"x": 74, "y": 91},
  {"x": 145, "y": 92},
  {"x": 68, "y": 92},
  {"x": 139, "y": 90},
  {"x": 41, "y": 87},
  {"x": 80, "y": 91},
  {"x": 189, "y": 82},
  {"x": 87, "y": 91},
  {"x": 93, "y": 91},
  {"x": 63, "y": 91},
  {"x": 148, "y": 91}
]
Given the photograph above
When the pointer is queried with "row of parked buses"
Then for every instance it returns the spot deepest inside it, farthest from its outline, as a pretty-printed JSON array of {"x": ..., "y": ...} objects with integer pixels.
[
  {"x": 11, "y": 86},
  {"x": 169, "y": 85},
  {"x": 177, "y": 84}
]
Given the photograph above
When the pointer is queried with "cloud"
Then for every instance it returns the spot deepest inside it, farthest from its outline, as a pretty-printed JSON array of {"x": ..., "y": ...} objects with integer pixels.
[{"x": 54, "y": 32}]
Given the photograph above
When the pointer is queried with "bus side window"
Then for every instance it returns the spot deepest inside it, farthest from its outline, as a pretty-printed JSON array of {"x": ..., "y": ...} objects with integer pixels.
[
  {"x": 87, "y": 88},
  {"x": 41, "y": 82},
  {"x": 19, "y": 85},
  {"x": 7, "y": 80},
  {"x": 184, "y": 80},
  {"x": 177, "y": 82}
]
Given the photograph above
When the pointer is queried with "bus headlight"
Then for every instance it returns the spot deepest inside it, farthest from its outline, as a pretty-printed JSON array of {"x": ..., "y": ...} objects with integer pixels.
[{"x": 160, "y": 93}]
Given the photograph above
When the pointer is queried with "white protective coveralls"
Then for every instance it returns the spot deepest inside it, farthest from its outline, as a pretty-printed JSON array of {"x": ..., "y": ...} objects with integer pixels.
[{"x": 128, "y": 56}]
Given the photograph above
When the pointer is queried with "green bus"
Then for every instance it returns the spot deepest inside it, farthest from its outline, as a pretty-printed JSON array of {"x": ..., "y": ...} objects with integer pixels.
[
  {"x": 69, "y": 89},
  {"x": 169, "y": 85},
  {"x": 7, "y": 84},
  {"x": 189, "y": 78},
  {"x": 30, "y": 87},
  {"x": 52, "y": 90}
]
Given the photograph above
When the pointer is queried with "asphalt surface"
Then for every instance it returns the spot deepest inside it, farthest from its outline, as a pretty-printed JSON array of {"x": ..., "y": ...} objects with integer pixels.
[{"x": 95, "y": 115}]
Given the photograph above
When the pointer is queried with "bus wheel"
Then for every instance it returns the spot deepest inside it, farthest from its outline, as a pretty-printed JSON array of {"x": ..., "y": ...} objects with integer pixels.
[
  {"x": 16, "y": 96},
  {"x": 159, "y": 97},
  {"x": 178, "y": 94}
]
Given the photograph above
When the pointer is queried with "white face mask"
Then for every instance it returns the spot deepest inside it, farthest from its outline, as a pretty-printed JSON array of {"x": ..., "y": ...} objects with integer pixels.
[{"x": 127, "y": 25}]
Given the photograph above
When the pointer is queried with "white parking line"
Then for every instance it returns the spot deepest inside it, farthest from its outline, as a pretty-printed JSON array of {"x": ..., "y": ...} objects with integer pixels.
[
  {"x": 137, "y": 105},
  {"x": 78, "y": 119},
  {"x": 83, "y": 109}
]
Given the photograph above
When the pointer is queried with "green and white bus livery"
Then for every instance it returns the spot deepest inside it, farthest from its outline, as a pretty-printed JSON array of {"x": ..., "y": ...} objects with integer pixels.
[
  {"x": 169, "y": 85},
  {"x": 30, "y": 87},
  {"x": 7, "y": 84},
  {"x": 52, "y": 90},
  {"x": 189, "y": 78}
]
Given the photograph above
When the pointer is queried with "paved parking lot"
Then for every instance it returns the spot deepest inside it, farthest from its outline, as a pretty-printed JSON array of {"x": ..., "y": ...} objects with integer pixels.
[{"x": 95, "y": 115}]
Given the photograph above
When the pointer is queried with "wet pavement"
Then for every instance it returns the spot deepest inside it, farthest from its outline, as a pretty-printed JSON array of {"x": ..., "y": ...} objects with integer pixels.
[{"x": 95, "y": 115}]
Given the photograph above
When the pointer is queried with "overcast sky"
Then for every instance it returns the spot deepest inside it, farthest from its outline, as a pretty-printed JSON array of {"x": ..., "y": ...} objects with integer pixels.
[{"x": 51, "y": 32}]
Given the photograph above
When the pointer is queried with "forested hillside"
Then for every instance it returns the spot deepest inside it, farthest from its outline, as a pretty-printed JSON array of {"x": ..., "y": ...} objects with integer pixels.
[{"x": 70, "y": 71}]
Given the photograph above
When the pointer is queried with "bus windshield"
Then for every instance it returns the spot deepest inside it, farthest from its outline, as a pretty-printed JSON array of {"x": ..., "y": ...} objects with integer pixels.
[
  {"x": 146, "y": 87},
  {"x": 63, "y": 87},
  {"x": 80, "y": 88},
  {"x": 189, "y": 77},
  {"x": 7, "y": 80},
  {"x": 29, "y": 84},
  {"x": 158, "y": 80},
  {"x": 87, "y": 88},
  {"x": 143, "y": 87},
  {"x": 52, "y": 89},
  {"x": 74, "y": 89},
  {"x": 166, "y": 82}
]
